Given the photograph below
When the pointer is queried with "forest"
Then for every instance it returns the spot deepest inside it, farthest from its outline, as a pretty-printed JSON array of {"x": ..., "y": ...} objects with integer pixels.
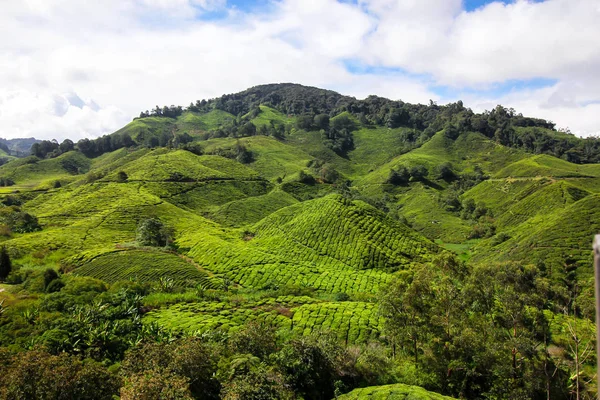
[{"x": 289, "y": 242}]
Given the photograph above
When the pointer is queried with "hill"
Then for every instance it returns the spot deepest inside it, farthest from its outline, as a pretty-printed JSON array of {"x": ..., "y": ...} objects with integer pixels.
[{"x": 288, "y": 238}]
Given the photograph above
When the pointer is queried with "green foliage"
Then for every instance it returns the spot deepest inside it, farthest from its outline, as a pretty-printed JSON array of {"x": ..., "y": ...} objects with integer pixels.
[
  {"x": 259, "y": 383},
  {"x": 37, "y": 374},
  {"x": 399, "y": 176},
  {"x": 312, "y": 365},
  {"x": 182, "y": 367},
  {"x": 5, "y": 264},
  {"x": 254, "y": 338},
  {"x": 122, "y": 176},
  {"x": 18, "y": 221},
  {"x": 393, "y": 392},
  {"x": 152, "y": 232},
  {"x": 302, "y": 227}
]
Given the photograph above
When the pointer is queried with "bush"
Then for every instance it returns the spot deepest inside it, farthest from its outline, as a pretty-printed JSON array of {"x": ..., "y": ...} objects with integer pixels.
[
  {"x": 5, "y": 264},
  {"x": 152, "y": 232},
  {"x": 305, "y": 178},
  {"x": 446, "y": 172},
  {"x": 418, "y": 173},
  {"x": 398, "y": 176},
  {"x": 500, "y": 238},
  {"x": 39, "y": 375},
  {"x": 151, "y": 385},
  {"x": 254, "y": 338},
  {"x": 49, "y": 276},
  {"x": 122, "y": 177},
  {"x": 55, "y": 286},
  {"x": 18, "y": 221}
]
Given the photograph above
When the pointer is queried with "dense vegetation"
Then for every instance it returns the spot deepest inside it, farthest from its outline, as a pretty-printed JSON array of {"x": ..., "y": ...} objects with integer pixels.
[{"x": 291, "y": 242}]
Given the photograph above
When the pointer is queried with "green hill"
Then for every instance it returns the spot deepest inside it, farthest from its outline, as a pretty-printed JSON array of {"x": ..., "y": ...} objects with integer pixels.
[{"x": 306, "y": 244}]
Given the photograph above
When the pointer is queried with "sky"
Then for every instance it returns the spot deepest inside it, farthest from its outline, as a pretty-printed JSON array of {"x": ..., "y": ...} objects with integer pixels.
[{"x": 77, "y": 68}]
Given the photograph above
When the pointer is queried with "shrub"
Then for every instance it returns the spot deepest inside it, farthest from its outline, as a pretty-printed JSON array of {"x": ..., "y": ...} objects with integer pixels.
[
  {"x": 122, "y": 177},
  {"x": 152, "y": 384},
  {"x": 152, "y": 232},
  {"x": 254, "y": 338},
  {"x": 55, "y": 286},
  {"x": 39, "y": 375},
  {"x": 5, "y": 264},
  {"x": 398, "y": 176}
]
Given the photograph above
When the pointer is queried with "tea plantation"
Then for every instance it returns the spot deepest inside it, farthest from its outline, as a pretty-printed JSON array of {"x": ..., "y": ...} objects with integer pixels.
[{"x": 290, "y": 242}]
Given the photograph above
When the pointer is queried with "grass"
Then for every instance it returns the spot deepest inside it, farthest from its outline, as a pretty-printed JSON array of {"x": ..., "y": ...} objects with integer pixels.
[
  {"x": 143, "y": 128},
  {"x": 352, "y": 233},
  {"x": 392, "y": 392},
  {"x": 422, "y": 208},
  {"x": 464, "y": 153},
  {"x": 546, "y": 166},
  {"x": 560, "y": 239},
  {"x": 463, "y": 250},
  {"x": 31, "y": 172},
  {"x": 374, "y": 147},
  {"x": 212, "y": 119},
  {"x": 268, "y": 114}
]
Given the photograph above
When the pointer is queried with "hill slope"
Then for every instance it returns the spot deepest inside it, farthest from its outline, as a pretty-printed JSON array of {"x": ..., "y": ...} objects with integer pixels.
[{"x": 310, "y": 240}]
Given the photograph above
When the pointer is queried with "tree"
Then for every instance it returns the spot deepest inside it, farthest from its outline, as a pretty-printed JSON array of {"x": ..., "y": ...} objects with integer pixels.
[
  {"x": 152, "y": 232},
  {"x": 122, "y": 177},
  {"x": 66, "y": 145},
  {"x": 151, "y": 385},
  {"x": 37, "y": 374},
  {"x": 259, "y": 383},
  {"x": 418, "y": 172},
  {"x": 304, "y": 122},
  {"x": 5, "y": 264},
  {"x": 398, "y": 176},
  {"x": 308, "y": 364},
  {"x": 187, "y": 359},
  {"x": 446, "y": 172},
  {"x": 321, "y": 121},
  {"x": 405, "y": 305},
  {"x": 255, "y": 338}
]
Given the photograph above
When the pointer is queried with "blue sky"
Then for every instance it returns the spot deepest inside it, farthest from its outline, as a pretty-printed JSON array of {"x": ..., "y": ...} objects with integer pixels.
[{"x": 130, "y": 55}]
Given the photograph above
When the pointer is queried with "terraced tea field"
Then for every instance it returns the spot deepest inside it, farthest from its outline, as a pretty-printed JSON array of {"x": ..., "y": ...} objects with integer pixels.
[
  {"x": 351, "y": 322},
  {"x": 392, "y": 392},
  {"x": 142, "y": 266}
]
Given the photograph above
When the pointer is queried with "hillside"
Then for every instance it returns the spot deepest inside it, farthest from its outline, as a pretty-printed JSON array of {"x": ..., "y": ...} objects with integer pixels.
[{"x": 297, "y": 239}]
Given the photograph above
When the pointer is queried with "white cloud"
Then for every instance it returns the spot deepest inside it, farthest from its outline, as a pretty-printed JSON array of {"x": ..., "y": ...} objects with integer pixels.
[{"x": 72, "y": 69}]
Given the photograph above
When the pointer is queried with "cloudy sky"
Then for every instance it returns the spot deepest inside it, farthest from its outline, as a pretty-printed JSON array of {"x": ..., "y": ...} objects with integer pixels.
[{"x": 78, "y": 68}]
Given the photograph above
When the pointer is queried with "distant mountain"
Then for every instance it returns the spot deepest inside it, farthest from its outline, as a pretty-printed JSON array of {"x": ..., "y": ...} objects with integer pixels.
[{"x": 18, "y": 147}]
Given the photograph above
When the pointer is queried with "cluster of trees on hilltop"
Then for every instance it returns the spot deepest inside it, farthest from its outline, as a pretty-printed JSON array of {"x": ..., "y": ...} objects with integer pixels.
[
  {"x": 312, "y": 108},
  {"x": 290, "y": 99},
  {"x": 165, "y": 111},
  {"x": 51, "y": 148},
  {"x": 108, "y": 143},
  {"x": 89, "y": 147}
]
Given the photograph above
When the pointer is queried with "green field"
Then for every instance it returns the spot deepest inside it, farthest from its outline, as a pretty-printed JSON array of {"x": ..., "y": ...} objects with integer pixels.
[
  {"x": 371, "y": 249},
  {"x": 142, "y": 266}
]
